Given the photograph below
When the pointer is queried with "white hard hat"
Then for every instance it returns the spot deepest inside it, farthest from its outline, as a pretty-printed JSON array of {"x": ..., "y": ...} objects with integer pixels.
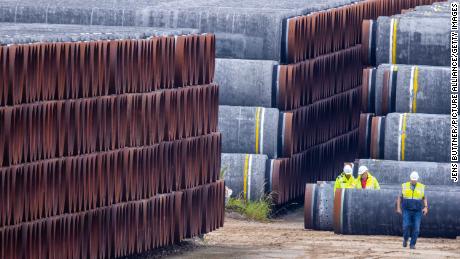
[
  {"x": 362, "y": 169},
  {"x": 414, "y": 176},
  {"x": 347, "y": 169}
]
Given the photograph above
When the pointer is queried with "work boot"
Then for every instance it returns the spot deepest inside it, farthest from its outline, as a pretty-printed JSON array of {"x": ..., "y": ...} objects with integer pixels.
[
  {"x": 412, "y": 247},
  {"x": 405, "y": 243}
]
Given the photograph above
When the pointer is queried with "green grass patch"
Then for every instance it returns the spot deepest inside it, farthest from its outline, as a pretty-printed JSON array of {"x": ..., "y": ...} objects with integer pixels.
[{"x": 253, "y": 210}]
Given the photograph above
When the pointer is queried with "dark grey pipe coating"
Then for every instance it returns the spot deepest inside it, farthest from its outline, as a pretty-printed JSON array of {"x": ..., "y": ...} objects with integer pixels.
[
  {"x": 367, "y": 212},
  {"x": 427, "y": 13},
  {"x": 319, "y": 204},
  {"x": 398, "y": 172},
  {"x": 419, "y": 40},
  {"x": 436, "y": 9},
  {"x": 319, "y": 201},
  {"x": 238, "y": 168},
  {"x": 421, "y": 89},
  {"x": 238, "y": 126},
  {"x": 364, "y": 142},
  {"x": 244, "y": 29},
  {"x": 443, "y": 7},
  {"x": 21, "y": 33},
  {"x": 427, "y": 137},
  {"x": 245, "y": 82}
]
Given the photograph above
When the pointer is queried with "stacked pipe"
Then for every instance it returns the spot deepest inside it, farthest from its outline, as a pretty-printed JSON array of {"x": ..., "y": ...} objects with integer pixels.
[
  {"x": 252, "y": 137},
  {"x": 365, "y": 126},
  {"x": 325, "y": 115},
  {"x": 109, "y": 143},
  {"x": 255, "y": 30},
  {"x": 396, "y": 40},
  {"x": 415, "y": 86},
  {"x": 406, "y": 88},
  {"x": 309, "y": 53},
  {"x": 245, "y": 174},
  {"x": 396, "y": 172},
  {"x": 409, "y": 92},
  {"x": 247, "y": 82},
  {"x": 411, "y": 137},
  {"x": 320, "y": 127}
]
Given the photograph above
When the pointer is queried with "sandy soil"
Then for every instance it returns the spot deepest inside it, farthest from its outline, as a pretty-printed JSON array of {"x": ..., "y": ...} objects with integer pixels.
[{"x": 286, "y": 238}]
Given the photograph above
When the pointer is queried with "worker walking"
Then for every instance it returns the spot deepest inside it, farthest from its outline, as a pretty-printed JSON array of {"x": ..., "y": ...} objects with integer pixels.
[
  {"x": 414, "y": 203},
  {"x": 345, "y": 180},
  {"x": 365, "y": 180}
]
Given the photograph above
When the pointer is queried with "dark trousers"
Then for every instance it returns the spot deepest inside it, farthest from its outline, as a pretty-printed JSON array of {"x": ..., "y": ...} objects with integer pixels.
[{"x": 411, "y": 225}]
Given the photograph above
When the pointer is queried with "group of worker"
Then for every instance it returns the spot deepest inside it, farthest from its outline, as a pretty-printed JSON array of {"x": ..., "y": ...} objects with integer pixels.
[
  {"x": 364, "y": 180},
  {"x": 412, "y": 202}
]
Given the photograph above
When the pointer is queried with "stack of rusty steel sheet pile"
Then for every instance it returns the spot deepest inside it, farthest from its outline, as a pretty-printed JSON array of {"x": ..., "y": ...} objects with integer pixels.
[
  {"x": 108, "y": 140},
  {"x": 409, "y": 91},
  {"x": 295, "y": 66}
]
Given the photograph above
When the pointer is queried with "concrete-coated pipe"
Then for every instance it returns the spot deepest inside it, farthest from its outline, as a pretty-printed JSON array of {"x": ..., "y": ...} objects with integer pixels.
[
  {"x": 319, "y": 201},
  {"x": 22, "y": 33},
  {"x": 250, "y": 130},
  {"x": 417, "y": 40},
  {"x": 319, "y": 206},
  {"x": 370, "y": 212},
  {"x": 425, "y": 13},
  {"x": 440, "y": 7},
  {"x": 365, "y": 125},
  {"x": 406, "y": 88},
  {"x": 244, "y": 174},
  {"x": 397, "y": 172},
  {"x": 253, "y": 30},
  {"x": 411, "y": 137},
  {"x": 245, "y": 82},
  {"x": 242, "y": 33},
  {"x": 377, "y": 140},
  {"x": 269, "y": 30}
]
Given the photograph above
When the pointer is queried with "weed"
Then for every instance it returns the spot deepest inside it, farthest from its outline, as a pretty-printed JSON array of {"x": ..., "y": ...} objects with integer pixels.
[{"x": 253, "y": 210}]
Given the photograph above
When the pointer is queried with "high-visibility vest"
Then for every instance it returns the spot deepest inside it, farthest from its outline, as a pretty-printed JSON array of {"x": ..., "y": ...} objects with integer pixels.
[
  {"x": 371, "y": 182},
  {"x": 417, "y": 194},
  {"x": 343, "y": 183}
]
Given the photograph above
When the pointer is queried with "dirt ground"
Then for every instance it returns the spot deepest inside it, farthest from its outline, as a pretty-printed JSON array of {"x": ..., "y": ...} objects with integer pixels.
[{"x": 286, "y": 238}]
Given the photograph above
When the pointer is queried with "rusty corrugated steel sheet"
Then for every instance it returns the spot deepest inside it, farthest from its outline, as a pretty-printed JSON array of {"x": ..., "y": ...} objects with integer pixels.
[
  {"x": 68, "y": 70},
  {"x": 118, "y": 230},
  {"x": 324, "y": 120},
  {"x": 318, "y": 162},
  {"x": 309, "y": 81},
  {"x": 108, "y": 148},
  {"x": 74, "y": 184},
  {"x": 48, "y": 129}
]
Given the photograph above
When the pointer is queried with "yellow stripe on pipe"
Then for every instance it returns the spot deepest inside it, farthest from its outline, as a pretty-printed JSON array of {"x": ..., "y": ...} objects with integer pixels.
[
  {"x": 258, "y": 109},
  {"x": 414, "y": 100},
  {"x": 245, "y": 176},
  {"x": 403, "y": 136},
  {"x": 393, "y": 50}
]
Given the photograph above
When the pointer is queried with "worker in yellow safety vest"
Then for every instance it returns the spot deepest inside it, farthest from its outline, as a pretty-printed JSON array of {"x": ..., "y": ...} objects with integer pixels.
[
  {"x": 365, "y": 180},
  {"x": 414, "y": 204},
  {"x": 345, "y": 180}
]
